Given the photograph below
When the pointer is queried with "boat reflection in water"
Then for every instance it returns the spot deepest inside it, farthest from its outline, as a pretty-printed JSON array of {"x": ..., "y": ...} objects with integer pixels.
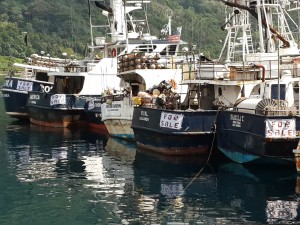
[
  {"x": 45, "y": 152},
  {"x": 141, "y": 188},
  {"x": 176, "y": 187},
  {"x": 110, "y": 181},
  {"x": 121, "y": 149},
  {"x": 110, "y": 173},
  {"x": 263, "y": 194}
]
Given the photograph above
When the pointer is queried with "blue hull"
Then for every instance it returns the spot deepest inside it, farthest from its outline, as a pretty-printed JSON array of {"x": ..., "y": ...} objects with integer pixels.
[
  {"x": 55, "y": 117},
  {"x": 191, "y": 132},
  {"x": 42, "y": 111},
  {"x": 93, "y": 116},
  {"x": 15, "y": 92},
  {"x": 15, "y": 104},
  {"x": 242, "y": 138}
]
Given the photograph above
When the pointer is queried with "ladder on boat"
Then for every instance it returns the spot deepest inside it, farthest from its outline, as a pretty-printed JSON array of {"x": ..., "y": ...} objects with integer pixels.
[
  {"x": 285, "y": 29},
  {"x": 28, "y": 73},
  {"x": 240, "y": 38}
]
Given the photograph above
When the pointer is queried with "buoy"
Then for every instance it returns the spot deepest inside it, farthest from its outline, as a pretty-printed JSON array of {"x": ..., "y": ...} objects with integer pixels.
[{"x": 114, "y": 52}]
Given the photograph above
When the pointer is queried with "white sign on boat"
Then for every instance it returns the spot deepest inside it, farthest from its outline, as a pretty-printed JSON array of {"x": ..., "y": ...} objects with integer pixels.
[
  {"x": 24, "y": 85},
  {"x": 171, "y": 120},
  {"x": 280, "y": 128},
  {"x": 58, "y": 99}
]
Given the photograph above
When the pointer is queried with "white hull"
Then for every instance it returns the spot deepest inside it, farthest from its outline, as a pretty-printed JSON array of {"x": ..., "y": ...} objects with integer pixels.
[
  {"x": 117, "y": 116},
  {"x": 120, "y": 128}
]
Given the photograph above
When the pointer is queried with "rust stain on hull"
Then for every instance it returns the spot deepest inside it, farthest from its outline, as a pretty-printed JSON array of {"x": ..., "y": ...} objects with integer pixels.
[
  {"x": 175, "y": 151},
  {"x": 61, "y": 124}
]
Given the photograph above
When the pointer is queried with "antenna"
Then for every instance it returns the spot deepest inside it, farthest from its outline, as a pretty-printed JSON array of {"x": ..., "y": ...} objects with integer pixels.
[{"x": 169, "y": 14}]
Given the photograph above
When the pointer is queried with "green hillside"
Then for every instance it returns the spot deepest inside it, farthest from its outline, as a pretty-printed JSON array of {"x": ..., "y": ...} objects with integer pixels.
[{"x": 62, "y": 25}]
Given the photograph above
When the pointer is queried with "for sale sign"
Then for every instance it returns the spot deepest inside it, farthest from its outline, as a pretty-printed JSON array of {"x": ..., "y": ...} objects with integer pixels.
[
  {"x": 171, "y": 120},
  {"x": 58, "y": 99},
  {"x": 24, "y": 85},
  {"x": 280, "y": 128}
]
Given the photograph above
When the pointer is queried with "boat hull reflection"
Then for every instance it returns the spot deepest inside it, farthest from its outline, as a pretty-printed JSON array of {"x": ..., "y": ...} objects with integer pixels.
[{"x": 265, "y": 193}]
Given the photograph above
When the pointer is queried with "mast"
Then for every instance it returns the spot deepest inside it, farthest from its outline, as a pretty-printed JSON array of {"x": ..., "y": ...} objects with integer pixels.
[
  {"x": 273, "y": 28},
  {"x": 239, "y": 38}
]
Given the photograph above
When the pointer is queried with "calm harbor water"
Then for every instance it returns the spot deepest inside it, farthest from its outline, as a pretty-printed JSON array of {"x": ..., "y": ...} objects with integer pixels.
[{"x": 64, "y": 177}]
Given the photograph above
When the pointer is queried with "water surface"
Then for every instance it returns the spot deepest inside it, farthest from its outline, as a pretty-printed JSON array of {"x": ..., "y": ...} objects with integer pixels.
[{"x": 62, "y": 176}]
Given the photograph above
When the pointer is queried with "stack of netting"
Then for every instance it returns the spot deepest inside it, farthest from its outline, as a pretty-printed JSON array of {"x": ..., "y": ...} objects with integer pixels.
[{"x": 139, "y": 60}]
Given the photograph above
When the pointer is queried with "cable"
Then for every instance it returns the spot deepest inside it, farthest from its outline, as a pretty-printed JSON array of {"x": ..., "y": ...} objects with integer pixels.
[{"x": 200, "y": 171}]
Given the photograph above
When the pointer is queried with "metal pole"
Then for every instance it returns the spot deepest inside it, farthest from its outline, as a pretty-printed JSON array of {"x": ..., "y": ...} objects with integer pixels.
[{"x": 278, "y": 79}]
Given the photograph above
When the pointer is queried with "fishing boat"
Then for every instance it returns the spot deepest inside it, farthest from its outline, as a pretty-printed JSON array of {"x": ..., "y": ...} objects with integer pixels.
[
  {"x": 63, "y": 103},
  {"x": 264, "y": 127},
  {"x": 147, "y": 61},
  {"x": 93, "y": 116},
  {"x": 171, "y": 126},
  {"x": 16, "y": 86},
  {"x": 117, "y": 110},
  {"x": 66, "y": 102},
  {"x": 188, "y": 126}
]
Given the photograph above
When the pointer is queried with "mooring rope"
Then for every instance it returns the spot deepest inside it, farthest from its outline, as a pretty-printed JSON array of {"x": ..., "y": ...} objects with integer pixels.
[{"x": 200, "y": 171}]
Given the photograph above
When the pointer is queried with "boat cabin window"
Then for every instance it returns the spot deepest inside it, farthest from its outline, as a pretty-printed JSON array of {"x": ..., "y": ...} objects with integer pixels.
[
  {"x": 119, "y": 50},
  {"x": 256, "y": 90},
  {"x": 43, "y": 76},
  {"x": 296, "y": 88},
  {"x": 146, "y": 48},
  {"x": 68, "y": 85},
  {"x": 274, "y": 91},
  {"x": 171, "y": 50}
]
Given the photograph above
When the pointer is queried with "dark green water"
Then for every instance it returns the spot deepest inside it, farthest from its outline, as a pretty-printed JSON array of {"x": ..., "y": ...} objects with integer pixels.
[{"x": 64, "y": 177}]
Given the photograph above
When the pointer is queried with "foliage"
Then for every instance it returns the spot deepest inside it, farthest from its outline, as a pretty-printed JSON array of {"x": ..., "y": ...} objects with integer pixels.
[
  {"x": 59, "y": 26},
  {"x": 6, "y": 64}
]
